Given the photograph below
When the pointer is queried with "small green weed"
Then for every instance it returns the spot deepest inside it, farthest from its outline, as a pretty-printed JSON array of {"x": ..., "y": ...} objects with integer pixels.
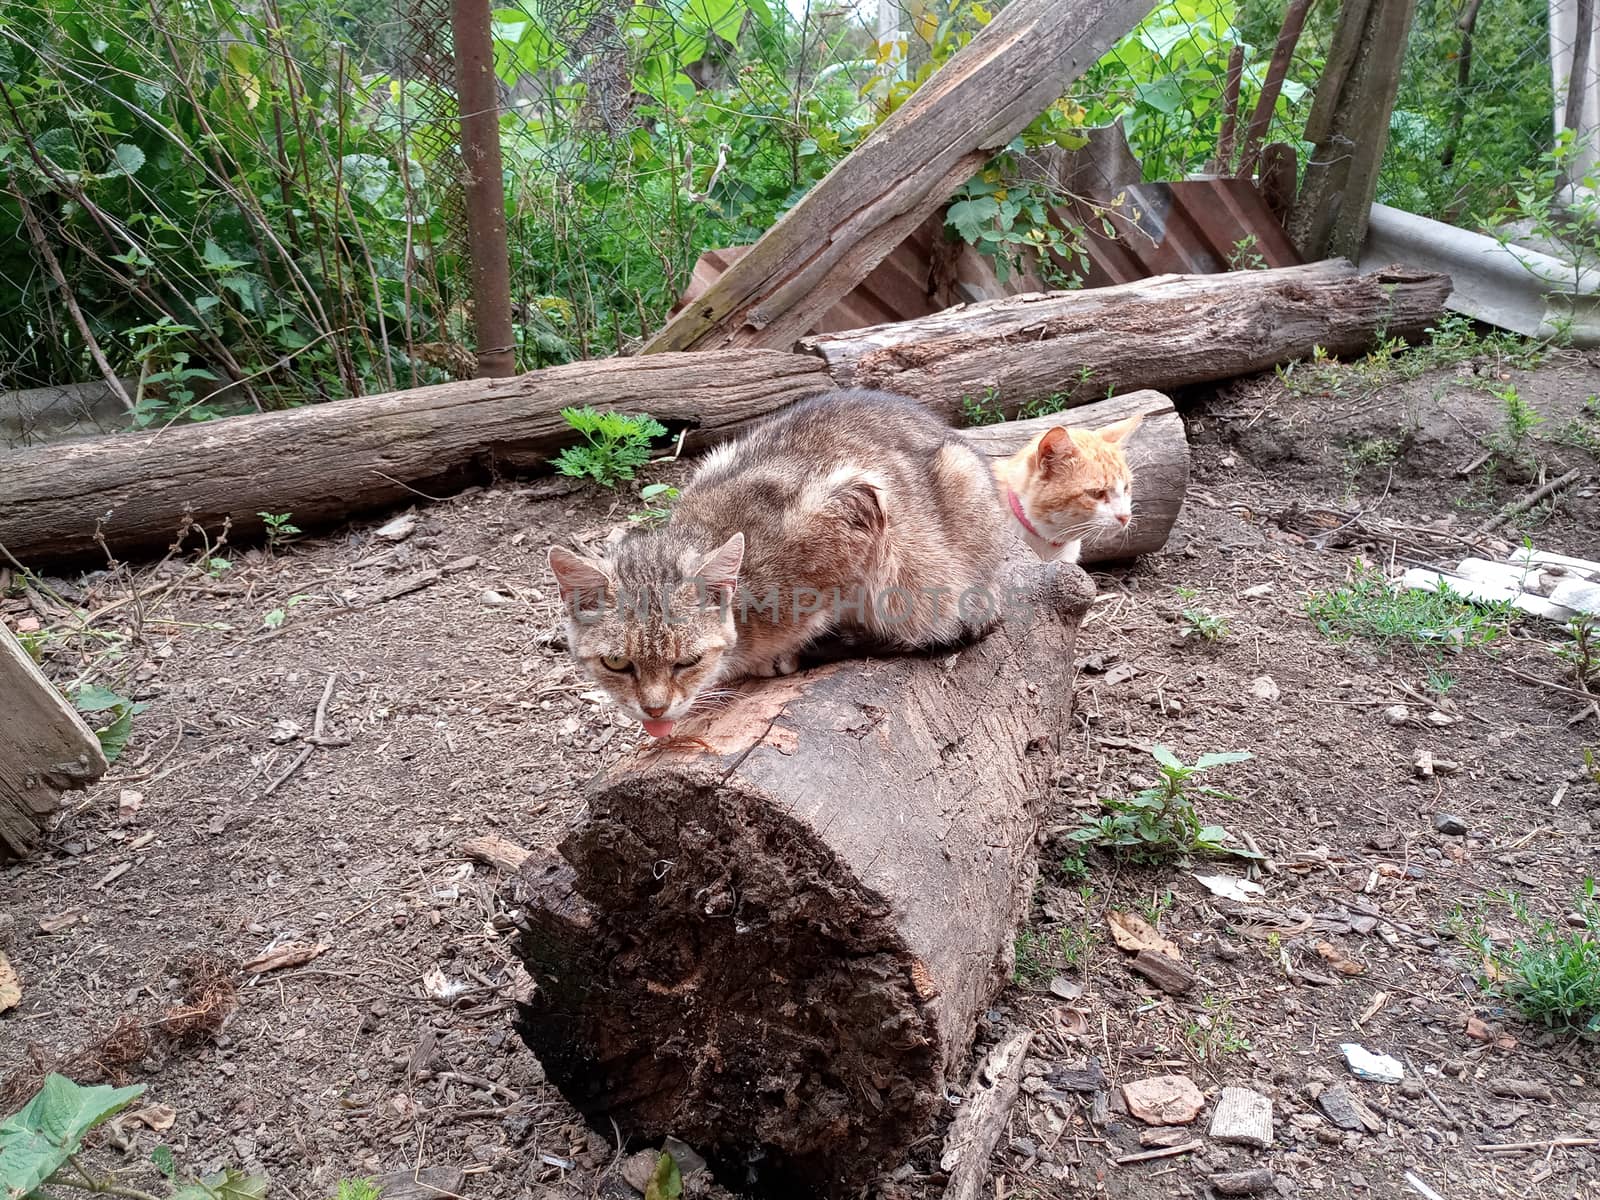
[
  {"x": 274, "y": 618},
  {"x": 357, "y": 1189},
  {"x": 1553, "y": 974},
  {"x": 116, "y": 711},
  {"x": 1581, "y": 651},
  {"x": 279, "y": 528},
  {"x": 1370, "y": 607},
  {"x": 39, "y": 1145},
  {"x": 1158, "y": 906},
  {"x": 1246, "y": 255},
  {"x": 615, "y": 445},
  {"x": 1439, "y": 682},
  {"x": 1033, "y": 965},
  {"x": 1072, "y": 867},
  {"x": 988, "y": 409},
  {"x": 1161, "y": 822},
  {"x": 658, "y": 499},
  {"x": 216, "y": 567},
  {"x": 1198, "y": 621},
  {"x": 1212, "y": 1034},
  {"x": 1518, "y": 420}
]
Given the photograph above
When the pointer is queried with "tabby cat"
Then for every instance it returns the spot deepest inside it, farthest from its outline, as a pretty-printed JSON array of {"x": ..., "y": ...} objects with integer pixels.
[
  {"x": 855, "y": 513},
  {"x": 1067, "y": 484}
]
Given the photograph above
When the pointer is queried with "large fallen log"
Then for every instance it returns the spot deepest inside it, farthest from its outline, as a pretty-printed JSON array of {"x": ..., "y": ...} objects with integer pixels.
[
  {"x": 1163, "y": 332},
  {"x": 1021, "y": 62},
  {"x": 46, "y": 750},
  {"x": 775, "y": 943},
  {"x": 1158, "y": 454},
  {"x": 329, "y": 462}
]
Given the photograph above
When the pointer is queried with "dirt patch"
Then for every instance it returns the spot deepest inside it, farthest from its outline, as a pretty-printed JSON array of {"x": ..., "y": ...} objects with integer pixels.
[{"x": 452, "y": 714}]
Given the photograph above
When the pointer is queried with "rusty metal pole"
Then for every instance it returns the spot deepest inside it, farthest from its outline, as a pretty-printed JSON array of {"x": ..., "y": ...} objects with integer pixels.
[{"x": 483, "y": 185}]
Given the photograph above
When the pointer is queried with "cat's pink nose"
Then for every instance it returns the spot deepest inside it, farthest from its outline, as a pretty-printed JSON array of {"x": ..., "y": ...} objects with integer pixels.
[
  {"x": 1122, "y": 518},
  {"x": 655, "y": 710}
]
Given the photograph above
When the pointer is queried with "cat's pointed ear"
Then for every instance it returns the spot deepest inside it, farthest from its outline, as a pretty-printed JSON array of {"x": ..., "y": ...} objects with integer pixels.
[
  {"x": 1055, "y": 447},
  {"x": 577, "y": 576},
  {"x": 1120, "y": 431},
  {"x": 720, "y": 568}
]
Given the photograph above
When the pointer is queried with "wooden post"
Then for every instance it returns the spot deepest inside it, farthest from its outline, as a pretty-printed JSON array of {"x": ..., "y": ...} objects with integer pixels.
[
  {"x": 1021, "y": 62},
  {"x": 46, "y": 750},
  {"x": 483, "y": 185},
  {"x": 1349, "y": 123}
]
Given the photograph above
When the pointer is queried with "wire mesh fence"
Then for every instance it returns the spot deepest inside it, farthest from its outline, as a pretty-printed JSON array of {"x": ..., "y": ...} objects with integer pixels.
[
  {"x": 1474, "y": 123},
  {"x": 218, "y": 207}
]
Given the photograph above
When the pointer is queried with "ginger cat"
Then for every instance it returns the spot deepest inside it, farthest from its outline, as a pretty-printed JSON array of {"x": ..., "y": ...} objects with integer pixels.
[
  {"x": 855, "y": 513},
  {"x": 1068, "y": 483}
]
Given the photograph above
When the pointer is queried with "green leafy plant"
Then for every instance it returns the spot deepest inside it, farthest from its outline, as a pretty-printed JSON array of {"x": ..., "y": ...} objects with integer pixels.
[
  {"x": 666, "y": 1181},
  {"x": 279, "y": 528},
  {"x": 357, "y": 1189},
  {"x": 1370, "y": 607},
  {"x": 40, "y": 1144},
  {"x": 1032, "y": 957},
  {"x": 615, "y": 445},
  {"x": 275, "y": 617},
  {"x": 1553, "y": 973},
  {"x": 116, "y": 711},
  {"x": 658, "y": 498},
  {"x": 989, "y": 409},
  {"x": 1212, "y": 1034},
  {"x": 1581, "y": 651},
  {"x": 1161, "y": 822}
]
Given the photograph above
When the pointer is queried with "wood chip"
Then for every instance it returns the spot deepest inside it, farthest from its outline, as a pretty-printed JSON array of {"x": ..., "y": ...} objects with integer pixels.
[
  {"x": 495, "y": 851},
  {"x": 1521, "y": 1089},
  {"x": 1243, "y": 1183},
  {"x": 111, "y": 876},
  {"x": 10, "y": 985},
  {"x": 290, "y": 954},
  {"x": 1170, "y": 976},
  {"x": 1147, "y": 1155}
]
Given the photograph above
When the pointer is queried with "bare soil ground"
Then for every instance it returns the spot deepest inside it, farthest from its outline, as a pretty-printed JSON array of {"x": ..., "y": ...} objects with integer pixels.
[{"x": 327, "y": 721}]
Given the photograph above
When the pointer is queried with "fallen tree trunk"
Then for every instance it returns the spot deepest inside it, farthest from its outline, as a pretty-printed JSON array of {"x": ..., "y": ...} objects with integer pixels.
[
  {"x": 774, "y": 943},
  {"x": 1163, "y": 332},
  {"x": 46, "y": 750},
  {"x": 1158, "y": 455},
  {"x": 329, "y": 462},
  {"x": 1020, "y": 63}
]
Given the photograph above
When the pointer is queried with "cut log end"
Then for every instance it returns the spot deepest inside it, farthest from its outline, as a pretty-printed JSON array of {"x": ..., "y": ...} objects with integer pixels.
[{"x": 785, "y": 1010}]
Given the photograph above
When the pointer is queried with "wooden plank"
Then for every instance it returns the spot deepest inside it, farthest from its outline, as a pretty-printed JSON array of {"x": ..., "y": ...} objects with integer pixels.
[
  {"x": 1341, "y": 177},
  {"x": 46, "y": 750},
  {"x": 1022, "y": 61}
]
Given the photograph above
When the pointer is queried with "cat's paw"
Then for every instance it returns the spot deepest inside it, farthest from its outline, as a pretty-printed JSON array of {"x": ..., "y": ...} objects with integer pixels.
[{"x": 770, "y": 668}]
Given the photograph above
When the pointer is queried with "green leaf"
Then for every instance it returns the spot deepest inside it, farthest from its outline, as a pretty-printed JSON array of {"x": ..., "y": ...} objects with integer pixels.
[
  {"x": 225, "y": 1185},
  {"x": 665, "y": 1182},
  {"x": 114, "y": 737},
  {"x": 967, "y": 217},
  {"x": 1206, "y": 761},
  {"x": 218, "y": 259},
  {"x": 126, "y": 160},
  {"x": 38, "y": 1139},
  {"x": 1167, "y": 758},
  {"x": 60, "y": 146},
  {"x": 162, "y": 1157},
  {"x": 92, "y": 698}
]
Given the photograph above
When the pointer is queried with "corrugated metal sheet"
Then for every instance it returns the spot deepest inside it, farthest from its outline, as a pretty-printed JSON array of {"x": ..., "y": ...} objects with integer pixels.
[{"x": 1199, "y": 226}]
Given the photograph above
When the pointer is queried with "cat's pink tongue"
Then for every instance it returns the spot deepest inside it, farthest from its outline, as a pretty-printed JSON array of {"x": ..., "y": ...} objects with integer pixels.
[{"x": 659, "y": 728}]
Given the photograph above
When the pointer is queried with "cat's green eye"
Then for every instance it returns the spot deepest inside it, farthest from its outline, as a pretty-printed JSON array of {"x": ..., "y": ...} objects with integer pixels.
[
  {"x": 615, "y": 662},
  {"x": 687, "y": 663}
]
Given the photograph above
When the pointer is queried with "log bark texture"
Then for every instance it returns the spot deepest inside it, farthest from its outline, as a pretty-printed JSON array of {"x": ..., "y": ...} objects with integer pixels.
[
  {"x": 1164, "y": 332},
  {"x": 1158, "y": 454},
  {"x": 774, "y": 943},
  {"x": 46, "y": 750},
  {"x": 329, "y": 462},
  {"x": 1021, "y": 62}
]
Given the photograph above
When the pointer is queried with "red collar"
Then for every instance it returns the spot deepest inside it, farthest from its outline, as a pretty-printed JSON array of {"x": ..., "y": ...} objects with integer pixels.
[{"x": 1016, "y": 511}]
